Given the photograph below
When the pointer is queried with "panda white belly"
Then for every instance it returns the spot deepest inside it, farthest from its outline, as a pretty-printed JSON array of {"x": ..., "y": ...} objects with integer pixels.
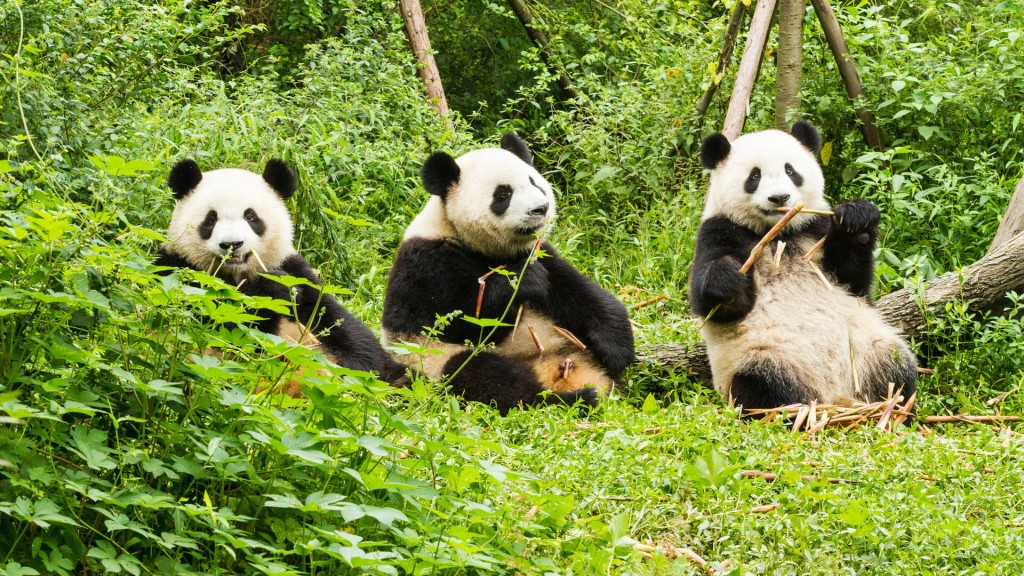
[
  {"x": 832, "y": 343},
  {"x": 549, "y": 364}
]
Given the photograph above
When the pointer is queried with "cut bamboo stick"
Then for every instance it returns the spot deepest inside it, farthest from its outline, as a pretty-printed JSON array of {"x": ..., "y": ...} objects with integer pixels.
[{"x": 807, "y": 211}]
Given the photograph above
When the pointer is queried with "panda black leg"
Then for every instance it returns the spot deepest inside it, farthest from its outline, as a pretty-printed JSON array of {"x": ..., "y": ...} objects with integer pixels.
[
  {"x": 506, "y": 383},
  {"x": 902, "y": 373},
  {"x": 756, "y": 387}
]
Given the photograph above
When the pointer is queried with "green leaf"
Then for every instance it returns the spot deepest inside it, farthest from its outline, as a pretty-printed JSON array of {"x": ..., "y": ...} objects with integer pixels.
[
  {"x": 91, "y": 445},
  {"x": 604, "y": 173},
  {"x": 484, "y": 322},
  {"x": 650, "y": 405},
  {"x": 15, "y": 569},
  {"x": 386, "y": 516}
]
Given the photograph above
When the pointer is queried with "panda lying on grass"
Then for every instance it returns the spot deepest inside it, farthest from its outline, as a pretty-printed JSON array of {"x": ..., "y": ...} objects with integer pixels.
[
  {"x": 779, "y": 335},
  {"x": 486, "y": 211},
  {"x": 234, "y": 224}
]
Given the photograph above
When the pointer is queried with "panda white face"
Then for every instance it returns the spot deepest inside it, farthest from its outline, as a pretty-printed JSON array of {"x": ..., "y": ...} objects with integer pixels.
[
  {"x": 491, "y": 200},
  {"x": 230, "y": 221},
  {"x": 760, "y": 172}
]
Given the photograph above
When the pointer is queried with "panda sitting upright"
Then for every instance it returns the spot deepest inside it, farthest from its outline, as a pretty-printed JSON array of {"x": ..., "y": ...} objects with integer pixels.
[
  {"x": 485, "y": 213},
  {"x": 779, "y": 335},
  {"x": 234, "y": 224}
]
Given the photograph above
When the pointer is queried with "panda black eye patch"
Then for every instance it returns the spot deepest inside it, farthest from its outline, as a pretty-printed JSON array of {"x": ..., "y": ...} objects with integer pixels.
[
  {"x": 795, "y": 176},
  {"x": 255, "y": 222},
  {"x": 534, "y": 184},
  {"x": 206, "y": 226},
  {"x": 502, "y": 199},
  {"x": 753, "y": 180}
]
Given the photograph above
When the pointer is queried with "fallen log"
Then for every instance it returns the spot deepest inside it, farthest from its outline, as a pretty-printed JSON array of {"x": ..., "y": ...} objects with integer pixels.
[{"x": 979, "y": 285}]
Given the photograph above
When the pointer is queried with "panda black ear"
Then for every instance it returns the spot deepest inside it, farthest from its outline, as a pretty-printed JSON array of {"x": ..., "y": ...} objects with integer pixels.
[
  {"x": 714, "y": 149},
  {"x": 513, "y": 143},
  {"x": 184, "y": 176},
  {"x": 438, "y": 173},
  {"x": 281, "y": 178},
  {"x": 806, "y": 134}
]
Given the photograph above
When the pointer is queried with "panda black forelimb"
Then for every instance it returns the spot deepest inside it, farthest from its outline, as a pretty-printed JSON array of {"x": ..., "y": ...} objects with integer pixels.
[
  {"x": 715, "y": 279},
  {"x": 849, "y": 247},
  {"x": 449, "y": 274},
  {"x": 604, "y": 328}
]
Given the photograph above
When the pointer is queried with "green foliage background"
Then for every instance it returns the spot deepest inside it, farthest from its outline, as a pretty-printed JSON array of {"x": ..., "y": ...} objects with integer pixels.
[{"x": 126, "y": 446}]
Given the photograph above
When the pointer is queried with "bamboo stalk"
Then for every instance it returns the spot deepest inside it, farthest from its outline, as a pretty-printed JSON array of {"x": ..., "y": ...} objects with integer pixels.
[
  {"x": 536, "y": 340},
  {"x": 570, "y": 337},
  {"x": 807, "y": 211},
  {"x": 648, "y": 302},
  {"x": 756, "y": 252},
  {"x": 778, "y": 253},
  {"x": 482, "y": 281},
  {"x": 1001, "y": 397},
  {"x": 821, "y": 276},
  {"x": 819, "y": 244},
  {"x": 936, "y": 419},
  {"x": 902, "y": 415}
]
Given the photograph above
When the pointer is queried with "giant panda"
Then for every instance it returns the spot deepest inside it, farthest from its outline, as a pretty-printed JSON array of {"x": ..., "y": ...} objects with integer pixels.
[
  {"x": 779, "y": 335},
  {"x": 487, "y": 210},
  {"x": 234, "y": 224}
]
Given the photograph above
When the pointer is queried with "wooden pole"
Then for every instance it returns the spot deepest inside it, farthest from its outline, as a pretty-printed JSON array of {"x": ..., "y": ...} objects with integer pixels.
[
  {"x": 724, "y": 57},
  {"x": 416, "y": 29},
  {"x": 847, "y": 69},
  {"x": 1013, "y": 219},
  {"x": 539, "y": 38},
  {"x": 790, "y": 60},
  {"x": 760, "y": 22}
]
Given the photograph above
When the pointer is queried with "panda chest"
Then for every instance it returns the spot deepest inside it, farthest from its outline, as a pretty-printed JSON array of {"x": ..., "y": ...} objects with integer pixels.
[{"x": 784, "y": 271}]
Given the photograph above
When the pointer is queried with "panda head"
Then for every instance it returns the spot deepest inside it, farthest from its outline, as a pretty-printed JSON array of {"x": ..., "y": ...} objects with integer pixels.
[
  {"x": 231, "y": 221},
  {"x": 760, "y": 172},
  {"x": 491, "y": 200}
]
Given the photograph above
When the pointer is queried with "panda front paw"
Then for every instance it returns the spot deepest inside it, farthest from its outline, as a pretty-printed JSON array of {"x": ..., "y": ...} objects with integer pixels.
[
  {"x": 586, "y": 398},
  {"x": 723, "y": 282},
  {"x": 856, "y": 218},
  {"x": 533, "y": 283}
]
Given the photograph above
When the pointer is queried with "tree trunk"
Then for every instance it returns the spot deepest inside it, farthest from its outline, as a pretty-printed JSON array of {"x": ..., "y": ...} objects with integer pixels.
[
  {"x": 847, "y": 69},
  {"x": 790, "y": 62},
  {"x": 539, "y": 38},
  {"x": 760, "y": 22},
  {"x": 416, "y": 30},
  {"x": 724, "y": 57},
  {"x": 1013, "y": 218},
  {"x": 979, "y": 285}
]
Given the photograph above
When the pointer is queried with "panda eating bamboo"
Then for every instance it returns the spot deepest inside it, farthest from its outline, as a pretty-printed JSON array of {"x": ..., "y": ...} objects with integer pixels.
[
  {"x": 470, "y": 255},
  {"x": 234, "y": 224},
  {"x": 799, "y": 325}
]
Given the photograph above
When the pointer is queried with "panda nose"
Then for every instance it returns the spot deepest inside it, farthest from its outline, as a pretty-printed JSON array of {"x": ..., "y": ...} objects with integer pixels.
[
  {"x": 539, "y": 210},
  {"x": 231, "y": 246},
  {"x": 778, "y": 199}
]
